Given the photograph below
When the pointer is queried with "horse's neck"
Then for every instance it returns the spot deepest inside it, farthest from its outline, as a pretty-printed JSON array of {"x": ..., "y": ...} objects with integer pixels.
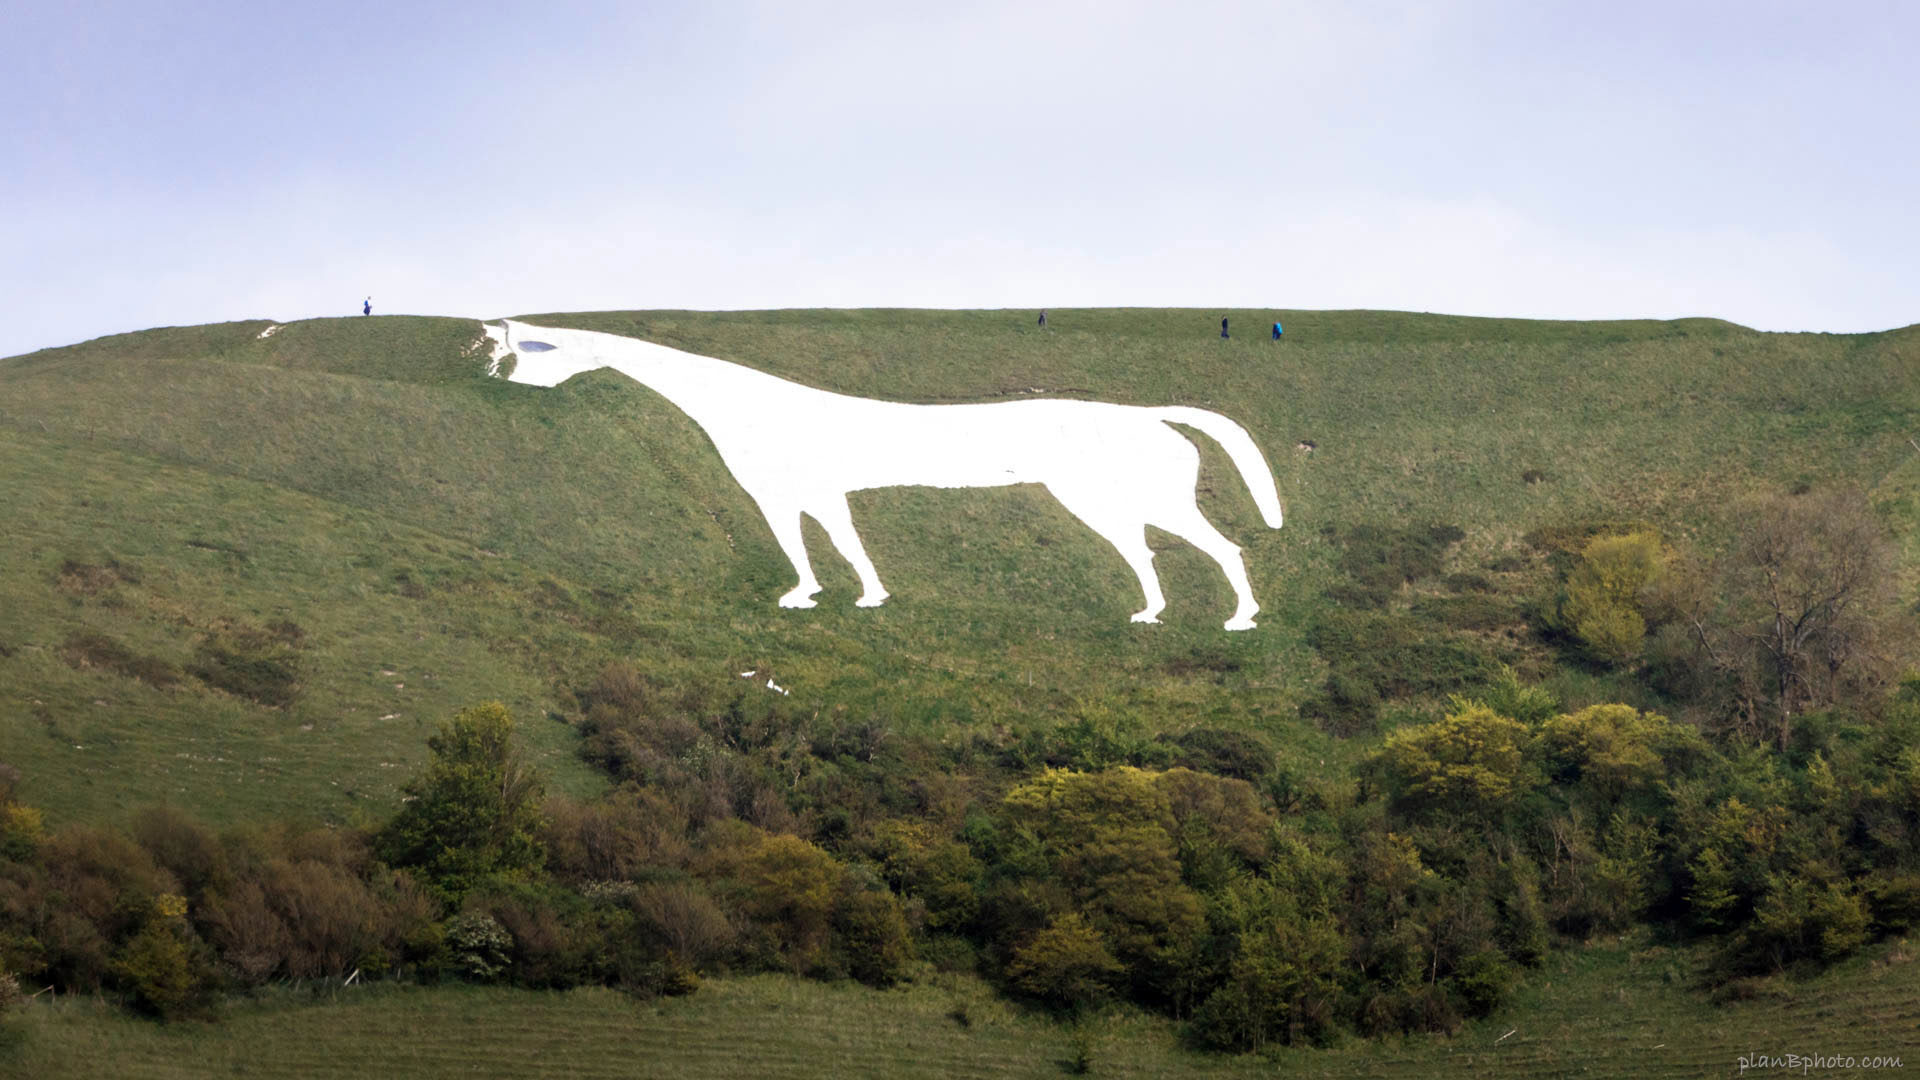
[{"x": 700, "y": 386}]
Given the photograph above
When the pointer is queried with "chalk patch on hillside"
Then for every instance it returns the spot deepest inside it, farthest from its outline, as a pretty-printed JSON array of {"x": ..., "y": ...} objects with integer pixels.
[
  {"x": 799, "y": 451},
  {"x": 268, "y": 332}
]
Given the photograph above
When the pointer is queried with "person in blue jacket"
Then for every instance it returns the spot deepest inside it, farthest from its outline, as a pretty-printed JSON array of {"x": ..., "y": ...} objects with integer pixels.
[
  {"x": 1276, "y": 329},
  {"x": 367, "y": 307}
]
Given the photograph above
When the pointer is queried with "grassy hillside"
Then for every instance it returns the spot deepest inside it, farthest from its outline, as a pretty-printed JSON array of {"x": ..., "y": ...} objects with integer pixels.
[
  {"x": 435, "y": 537},
  {"x": 1613, "y": 1008}
]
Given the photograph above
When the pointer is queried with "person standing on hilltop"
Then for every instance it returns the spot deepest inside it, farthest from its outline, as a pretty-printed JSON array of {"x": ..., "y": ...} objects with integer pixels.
[
  {"x": 1276, "y": 329},
  {"x": 1223, "y": 326},
  {"x": 1043, "y": 318},
  {"x": 366, "y": 308}
]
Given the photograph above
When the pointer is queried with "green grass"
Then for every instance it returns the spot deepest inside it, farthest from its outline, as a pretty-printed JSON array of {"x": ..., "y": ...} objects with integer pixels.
[
  {"x": 363, "y": 479},
  {"x": 441, "y": 538},
  {"x": 1614, "y": 1008}
]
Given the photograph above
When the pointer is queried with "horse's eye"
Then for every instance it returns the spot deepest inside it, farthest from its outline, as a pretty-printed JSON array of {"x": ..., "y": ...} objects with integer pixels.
[{"x": 534, "y": 346}]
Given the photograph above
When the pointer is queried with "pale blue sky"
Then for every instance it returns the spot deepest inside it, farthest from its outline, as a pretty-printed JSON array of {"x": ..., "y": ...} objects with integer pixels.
[{"x": 195, "y": 162}]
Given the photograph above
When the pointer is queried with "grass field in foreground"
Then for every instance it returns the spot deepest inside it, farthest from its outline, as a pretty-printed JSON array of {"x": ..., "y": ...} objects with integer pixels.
[{"x": 1617, "y": 1008}]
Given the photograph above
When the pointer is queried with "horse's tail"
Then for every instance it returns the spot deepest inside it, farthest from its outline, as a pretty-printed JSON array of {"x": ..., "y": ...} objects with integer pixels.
[{"x": 1241, "y": 448}]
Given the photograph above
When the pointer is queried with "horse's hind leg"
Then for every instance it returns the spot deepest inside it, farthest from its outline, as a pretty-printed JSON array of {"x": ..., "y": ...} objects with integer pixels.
[
  {"x": 1129, "y": 537},
  {"x": 834, "y": 516},
  {"x": 1189, "y": 524}
]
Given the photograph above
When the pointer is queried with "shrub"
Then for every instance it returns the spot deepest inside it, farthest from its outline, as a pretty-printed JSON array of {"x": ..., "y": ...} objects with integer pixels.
[
  {"x": 1385, "y": 557},
  {"x": 155, "y": 971},
  {"x": 1611, "y": 749},
  {"x": 22, "y": 829},
  {"x": 1066, "y": 966},
  {"x": 258, "y": 664},
  {"x": 478, "y": 947},
  {"x": 1483, "y": 980},
  {"x": 873, "y": 936},
  {"x": 183, "y": 846},
  {"x": 685, "y": 921},
  {"x": 615, "y": 838},
  {"x": 1223, "y": 752},
  {"x": 1470, "y": 762},
  {"x": 474, "y": 809},
  {"x": 1602, "y": 606}
]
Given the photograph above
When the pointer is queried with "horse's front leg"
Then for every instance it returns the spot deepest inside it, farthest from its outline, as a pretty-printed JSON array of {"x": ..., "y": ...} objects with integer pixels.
[
  {"x": 834, "y": 516},
  {"x": 785, "y": 522}
]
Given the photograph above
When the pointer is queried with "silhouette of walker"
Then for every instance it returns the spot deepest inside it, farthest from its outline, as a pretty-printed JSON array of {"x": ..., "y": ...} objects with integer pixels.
[
  {"x": 367, "y": 307},
  {"x": 797, "y": 450}
]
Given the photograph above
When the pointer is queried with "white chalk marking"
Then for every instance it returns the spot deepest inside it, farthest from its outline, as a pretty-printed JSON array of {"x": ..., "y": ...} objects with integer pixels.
[{"x": 797, "y": 450}]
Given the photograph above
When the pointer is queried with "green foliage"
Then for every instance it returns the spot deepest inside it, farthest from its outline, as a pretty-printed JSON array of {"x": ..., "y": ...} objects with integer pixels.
[
  {"x": 1106, "y": 838},
  {"x": 1507, "y": 696},
  {"x": 478, "y": 947},
  {"x": 1799, "y": 917},
  {"x": 1282, "y": 981},
  {"x": 1483, "y": 981},
  {"x": 1470, "y": 762},
  {"x": 1066, "y": 965},
  {"x": 474, "y": 811},
  {"x": 22, "y": 828},
  {"x": 1375, "y": 656},
  {"x": 1602, "y": 605},
  {"x": 872, "y": 931},
  {"x": 1241, "y": 755},
  {"x": 1611, "y": 749}
]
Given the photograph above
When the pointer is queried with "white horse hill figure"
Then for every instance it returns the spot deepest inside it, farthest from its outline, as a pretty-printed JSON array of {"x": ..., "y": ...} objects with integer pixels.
[{"x": 797, "y": 450}]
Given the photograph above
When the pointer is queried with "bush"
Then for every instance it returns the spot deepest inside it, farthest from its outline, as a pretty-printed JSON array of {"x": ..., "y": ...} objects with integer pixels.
[
  {"x": 684, "y": 921},
  {"x": 161, "y": 971},
  {"x": 1483, "y": 980},
  {"x": 1611, "y": 749},
  {"x": 1066, "y": 966},
  {"x": 1471, "y": 762},
  {"x": 478, "y": 947},
  {"x": 1602, "y": 606},
  {"x": 261, "y": 665},
  {"x": 1237, "y": 754},
  {"x": 872, "y": 934}
]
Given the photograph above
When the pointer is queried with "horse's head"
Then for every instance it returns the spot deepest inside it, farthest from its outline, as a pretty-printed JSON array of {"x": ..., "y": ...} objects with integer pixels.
[{"x": 524, "y": 354}]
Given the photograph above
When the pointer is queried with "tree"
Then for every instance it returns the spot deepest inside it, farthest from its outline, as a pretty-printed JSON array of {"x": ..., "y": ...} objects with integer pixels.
[
  {"x": 1801, "y": 615},
  {"x": 474, "y": 811}
]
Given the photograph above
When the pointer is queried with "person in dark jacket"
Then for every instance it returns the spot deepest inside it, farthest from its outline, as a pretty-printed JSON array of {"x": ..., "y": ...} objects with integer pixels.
[
  {"x": 366, "y": 308},
  {"x": 1223, "y": 326}
]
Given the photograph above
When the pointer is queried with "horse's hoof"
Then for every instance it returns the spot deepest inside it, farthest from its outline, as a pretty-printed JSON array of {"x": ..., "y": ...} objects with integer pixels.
[
  {"x": 792, "y": 601},
  {"x": 1147, "y": 617},
  {"x": 871, "y": 601},
  {"x": 1241, "y": 624}
]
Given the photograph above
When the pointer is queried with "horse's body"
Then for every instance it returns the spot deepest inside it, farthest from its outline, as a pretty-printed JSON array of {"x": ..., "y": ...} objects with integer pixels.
[{"x": 798, "y": 450}]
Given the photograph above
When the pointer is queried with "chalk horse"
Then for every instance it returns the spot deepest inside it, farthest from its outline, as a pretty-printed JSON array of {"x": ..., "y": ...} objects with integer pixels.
[{"x": 797, "y": 450}]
